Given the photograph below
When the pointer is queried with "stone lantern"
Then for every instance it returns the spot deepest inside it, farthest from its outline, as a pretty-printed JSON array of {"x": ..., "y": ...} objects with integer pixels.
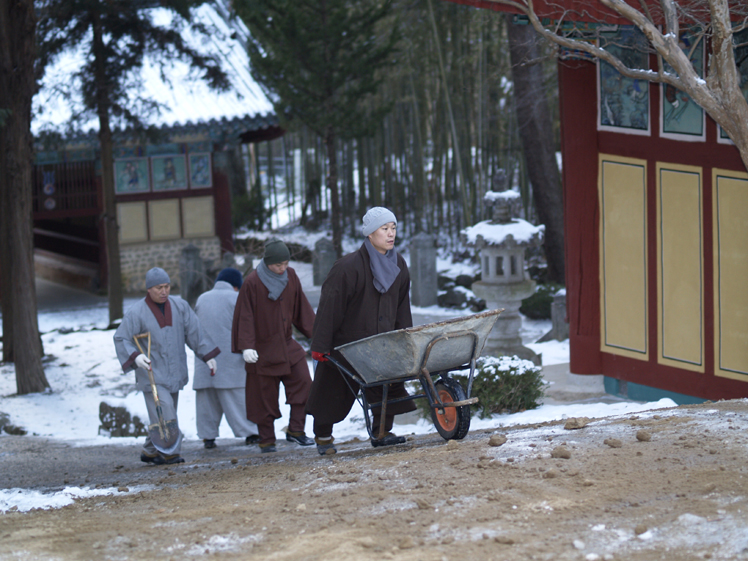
[{"x": 502, "y": 242}]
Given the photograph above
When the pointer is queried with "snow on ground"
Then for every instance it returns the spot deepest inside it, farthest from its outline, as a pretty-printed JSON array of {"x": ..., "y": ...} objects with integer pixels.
[
  {"x": 23, "y": 500},
  {"x": 82, "y": 369}
]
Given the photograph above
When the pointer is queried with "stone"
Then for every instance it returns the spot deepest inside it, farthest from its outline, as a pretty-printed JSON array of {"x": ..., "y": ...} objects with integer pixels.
[
  {"x": 613, "y": 442},
  {"x": 576, "y": 423},
  {"x": 464, "y": 280},
  {"x": 191, "y": 274},
  {"x": 423, "y": 278},
  {"x": 497, "y": 440},
  {"x": 116, "y": 421},
  {"x": 561, "y": 452},
  {"x": 643, "y": 436},
  {"x": 323, "y": 259}
]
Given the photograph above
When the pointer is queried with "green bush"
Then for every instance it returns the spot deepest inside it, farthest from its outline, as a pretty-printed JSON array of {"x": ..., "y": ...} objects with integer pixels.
[
  {"x": 538, "y": 306},
  {"x": 502, "y": 385}
]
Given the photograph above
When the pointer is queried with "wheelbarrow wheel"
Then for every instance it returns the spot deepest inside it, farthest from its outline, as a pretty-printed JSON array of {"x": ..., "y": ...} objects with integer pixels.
[{"x": 454, "y": 422}]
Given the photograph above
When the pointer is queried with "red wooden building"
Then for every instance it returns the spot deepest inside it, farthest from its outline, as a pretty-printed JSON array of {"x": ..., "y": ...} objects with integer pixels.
[{"x": 655, "y": 225}]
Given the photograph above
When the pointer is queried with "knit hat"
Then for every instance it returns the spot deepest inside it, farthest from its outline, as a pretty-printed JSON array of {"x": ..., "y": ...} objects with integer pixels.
[
  {"x": 231, "y": 276},
  {"x": 375, "y": 218},
  {"x": 276, "y": 252},
  {"x": 156, "y": 276}
]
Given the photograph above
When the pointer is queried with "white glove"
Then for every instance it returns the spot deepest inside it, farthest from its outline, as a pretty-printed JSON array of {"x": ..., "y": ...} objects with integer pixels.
[
  {"x": 250, "y": 356},
  {"x": 213, "y": 366},
  {"x": 143, "y": 362}
]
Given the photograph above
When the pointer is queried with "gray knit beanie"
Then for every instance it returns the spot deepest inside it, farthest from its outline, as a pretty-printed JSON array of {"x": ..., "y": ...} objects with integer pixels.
[
  {"x": 276, "y": 252},
  {"x": 375, "y": 218},
  {"x": 156, "y": 276}
]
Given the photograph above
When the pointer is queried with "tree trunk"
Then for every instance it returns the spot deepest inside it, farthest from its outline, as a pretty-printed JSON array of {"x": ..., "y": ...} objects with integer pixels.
[
  {"x": 114, "y": 271},
  {"x": 536, "y": 132},
  {"x": 332, "y": 185},
  {"x": 17, "y": 86}
]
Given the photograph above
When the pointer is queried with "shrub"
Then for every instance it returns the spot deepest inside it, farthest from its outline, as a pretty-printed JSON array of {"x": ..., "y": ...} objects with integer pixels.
[
  {"x": 538, "y": 306},
  {"x": 502, "y": 385}
]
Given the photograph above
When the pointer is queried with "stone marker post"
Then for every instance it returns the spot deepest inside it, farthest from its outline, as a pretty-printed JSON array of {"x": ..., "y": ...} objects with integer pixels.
[
  {"x": 423, "y": 286},
  {"x": 323, "y": 259},
  {"x": 191, "y": 274}
]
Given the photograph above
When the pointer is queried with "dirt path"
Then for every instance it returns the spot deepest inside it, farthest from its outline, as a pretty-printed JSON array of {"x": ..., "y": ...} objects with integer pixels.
[{"x": 668, "y": 484}]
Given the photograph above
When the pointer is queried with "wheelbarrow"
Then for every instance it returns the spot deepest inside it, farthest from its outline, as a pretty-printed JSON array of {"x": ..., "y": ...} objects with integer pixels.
[{"x": 426, "y": 353}]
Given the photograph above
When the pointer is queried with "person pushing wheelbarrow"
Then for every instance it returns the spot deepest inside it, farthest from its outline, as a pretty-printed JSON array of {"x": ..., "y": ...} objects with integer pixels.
[
  {"x": 171, "y": 324},
  {"x": 365, "y": 293}
]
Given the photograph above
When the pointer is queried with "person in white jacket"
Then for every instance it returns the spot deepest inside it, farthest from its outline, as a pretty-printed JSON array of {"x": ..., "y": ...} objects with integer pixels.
[
  {"x": 216, "y": 396},
  {"x": 172, "y": 324}
]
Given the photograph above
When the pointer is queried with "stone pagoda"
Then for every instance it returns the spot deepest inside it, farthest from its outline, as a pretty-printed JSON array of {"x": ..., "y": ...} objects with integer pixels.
[{"x": 502, "y": 241}]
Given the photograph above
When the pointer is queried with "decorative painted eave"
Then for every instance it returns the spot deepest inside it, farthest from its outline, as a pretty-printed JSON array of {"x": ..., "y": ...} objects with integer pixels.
[{"x": 215, "y": 131}]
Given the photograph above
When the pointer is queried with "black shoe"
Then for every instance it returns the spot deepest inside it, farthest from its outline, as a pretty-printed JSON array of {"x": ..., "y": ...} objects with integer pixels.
[
  {"x": 209, "y": 442},
  {"x": 326, "y": 446},
  {"x": 149, "y": 459},
  {"x": 300, "y": 439},
  {"x": 252, "y": 439},
  {"x": 268, "y": 448},
  {"x": 388, "y": 440},
  {"x": 171, "y": 460}
]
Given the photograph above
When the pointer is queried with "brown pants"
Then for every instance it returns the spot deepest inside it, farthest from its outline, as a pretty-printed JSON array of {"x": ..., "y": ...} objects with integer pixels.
[{"x": 262, "y": 394}]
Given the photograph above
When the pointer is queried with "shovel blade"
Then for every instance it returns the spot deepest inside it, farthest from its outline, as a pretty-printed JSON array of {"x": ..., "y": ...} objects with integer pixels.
[{"x": 169, "y": 443}]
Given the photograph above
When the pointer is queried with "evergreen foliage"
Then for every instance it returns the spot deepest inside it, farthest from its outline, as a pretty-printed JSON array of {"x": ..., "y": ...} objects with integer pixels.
[
  {"x": 129, "y": 32},
  {"x": 501, "y": 384},
  {"x": 321, "y": 62}
]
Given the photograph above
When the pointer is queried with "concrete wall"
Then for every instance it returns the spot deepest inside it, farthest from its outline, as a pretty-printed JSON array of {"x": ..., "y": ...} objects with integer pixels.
[{"x": 137, "y": 258}]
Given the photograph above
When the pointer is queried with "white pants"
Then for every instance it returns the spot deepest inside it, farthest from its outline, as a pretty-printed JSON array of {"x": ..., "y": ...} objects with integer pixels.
[{"x": 212, "y": 403}]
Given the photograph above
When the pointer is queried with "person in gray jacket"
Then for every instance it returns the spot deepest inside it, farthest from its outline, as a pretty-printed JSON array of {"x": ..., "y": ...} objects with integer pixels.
[
  {"x": 172, "y": 324},
  {"x": 220, "y": 395}
]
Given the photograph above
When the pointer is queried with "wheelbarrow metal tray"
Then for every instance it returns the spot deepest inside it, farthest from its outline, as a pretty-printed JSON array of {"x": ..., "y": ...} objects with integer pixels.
[{"x": 400, "y": 354}]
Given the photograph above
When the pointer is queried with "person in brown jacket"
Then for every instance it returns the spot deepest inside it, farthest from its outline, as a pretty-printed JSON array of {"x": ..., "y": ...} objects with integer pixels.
[
  {"x": 366, "y": 292},
  {"x": 270, "y": 302}
]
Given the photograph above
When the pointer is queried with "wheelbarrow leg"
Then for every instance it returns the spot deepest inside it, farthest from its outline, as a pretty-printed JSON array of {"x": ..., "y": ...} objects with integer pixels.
[{"x": 383, "y": 414}]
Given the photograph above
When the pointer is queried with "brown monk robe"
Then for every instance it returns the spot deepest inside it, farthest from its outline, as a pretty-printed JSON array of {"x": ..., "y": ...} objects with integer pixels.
[
  {"x": 265, "y": 325},
  {"x": 351, "y": 308}
]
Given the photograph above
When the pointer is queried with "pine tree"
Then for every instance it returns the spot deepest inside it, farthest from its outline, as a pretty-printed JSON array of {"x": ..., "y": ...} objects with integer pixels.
[
  {"x": 116, "y": 36},
  {"x": 321, "y": 61}
]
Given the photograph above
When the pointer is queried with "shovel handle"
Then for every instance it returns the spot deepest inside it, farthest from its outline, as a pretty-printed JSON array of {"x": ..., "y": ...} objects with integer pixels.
[{"x": 162, "y": 428}]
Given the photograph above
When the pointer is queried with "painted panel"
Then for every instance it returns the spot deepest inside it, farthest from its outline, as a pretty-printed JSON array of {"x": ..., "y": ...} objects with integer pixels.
[
  {"x": 680, "y": 275},
  {"x": 198, "y": 217},
  {"x": 131, "y": 175},
  {"x": 164, "y": 219},
  {"x": 131, "y": 219},
  {"x": 680, "y": 117},
  {"x": 201, "y": 175},
  {"x": 623, "y": 103},
  {"x": 623, "y": 256},
  {"x": 169, "y": 172},
  {"x": 730, "y": 199}
]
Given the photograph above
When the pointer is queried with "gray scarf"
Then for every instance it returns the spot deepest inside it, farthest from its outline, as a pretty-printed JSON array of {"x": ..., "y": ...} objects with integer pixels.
[
  {"x": 383, "y": 267},
  {"x": 274, "y": 282}
]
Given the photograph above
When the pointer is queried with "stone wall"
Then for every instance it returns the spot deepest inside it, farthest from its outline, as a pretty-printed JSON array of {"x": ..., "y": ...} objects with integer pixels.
[{"x": 137, "y": 258}]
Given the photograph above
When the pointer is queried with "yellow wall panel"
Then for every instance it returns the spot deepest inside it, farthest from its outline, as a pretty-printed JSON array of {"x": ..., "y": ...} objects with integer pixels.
[
  {"x": 164, "y": 219},
  {"x": 730, "y": 201},
  {"x": 623, "y": 256},
  {"x": 680, "y": 310},
  {"x": 131, "y": 219},
  {"x": 198, "y": 217}
]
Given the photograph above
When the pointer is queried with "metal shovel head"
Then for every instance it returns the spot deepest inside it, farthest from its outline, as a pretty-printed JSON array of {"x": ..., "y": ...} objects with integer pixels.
[{"x": 171, "y": 439}]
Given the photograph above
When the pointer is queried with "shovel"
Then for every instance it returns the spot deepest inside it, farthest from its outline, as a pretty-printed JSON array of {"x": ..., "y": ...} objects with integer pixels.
[{"x": 165, "y": 435}]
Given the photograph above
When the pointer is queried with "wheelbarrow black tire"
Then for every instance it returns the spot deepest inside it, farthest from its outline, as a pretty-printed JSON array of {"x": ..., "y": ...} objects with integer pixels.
[{"x": 454, "y": 423}]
